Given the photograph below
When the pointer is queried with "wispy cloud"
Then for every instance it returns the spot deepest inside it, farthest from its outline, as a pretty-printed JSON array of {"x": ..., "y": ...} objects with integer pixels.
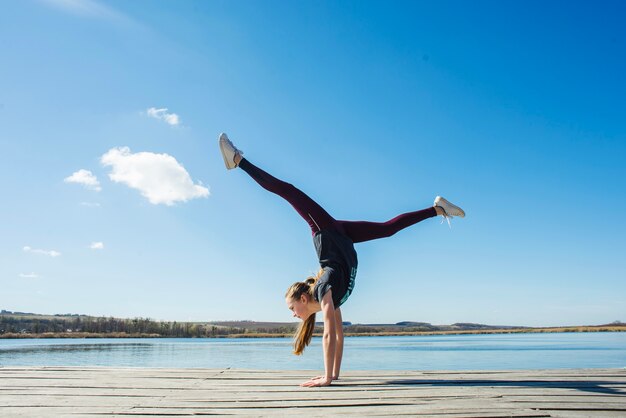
[
  {"x": 29, "y": 275},
  {"x": 86, "y": 178},
  {"x": 159, "y": 177},
  {"x": 50, "y": 253},
  {"x": 86, "y": 9},
  {"x": 97, "y": 246},
  {"x": 162, "y": 114},
  {"x": 90, "y": 204}
]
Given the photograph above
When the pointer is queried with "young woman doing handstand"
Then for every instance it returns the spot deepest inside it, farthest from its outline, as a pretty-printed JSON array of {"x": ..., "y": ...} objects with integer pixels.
[{"x": 334, "y": 242}]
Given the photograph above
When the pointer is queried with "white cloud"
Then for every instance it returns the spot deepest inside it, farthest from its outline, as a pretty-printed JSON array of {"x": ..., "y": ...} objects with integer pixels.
[
  {"x": 169, "y": 118},
  {"x": 29, "y": 275},
  {"x": 97, "y": 246},
  {"x": 50, "y": 253},
  {"x": 90, "y": 204},
  {"x": 159, "y": 177},
  {"x": 86, "y": 178}
]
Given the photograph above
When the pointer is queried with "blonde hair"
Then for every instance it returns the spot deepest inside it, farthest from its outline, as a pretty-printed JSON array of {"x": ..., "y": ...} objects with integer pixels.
[{"x": 303, "y": 334}]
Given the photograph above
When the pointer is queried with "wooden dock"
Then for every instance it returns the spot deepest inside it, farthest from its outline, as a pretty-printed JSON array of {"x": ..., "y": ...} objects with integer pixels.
[{"x": 74, "y": 391}]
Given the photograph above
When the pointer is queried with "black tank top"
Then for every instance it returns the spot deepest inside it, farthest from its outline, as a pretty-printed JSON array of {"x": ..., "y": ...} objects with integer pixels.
[{"x": 339, "y": 261}]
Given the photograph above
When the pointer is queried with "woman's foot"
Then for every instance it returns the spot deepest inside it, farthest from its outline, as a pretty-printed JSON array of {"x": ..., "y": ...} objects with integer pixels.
[
  {"x": 447, "y": 210},
  {"x": 230, "y": 153}
]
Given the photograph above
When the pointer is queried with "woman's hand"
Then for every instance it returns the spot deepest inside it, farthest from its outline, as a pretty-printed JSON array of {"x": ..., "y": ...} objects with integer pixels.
[
  {"x": 317, "y": 382},
  {"x": 321, "y": 377}
]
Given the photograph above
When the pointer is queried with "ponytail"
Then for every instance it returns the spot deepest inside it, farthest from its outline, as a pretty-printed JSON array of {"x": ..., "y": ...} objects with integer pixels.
[{"x": 302, "y": 337}]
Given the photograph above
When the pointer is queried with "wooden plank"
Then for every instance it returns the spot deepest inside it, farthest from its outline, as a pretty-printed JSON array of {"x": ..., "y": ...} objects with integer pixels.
[{"x": 61, "y": 391}]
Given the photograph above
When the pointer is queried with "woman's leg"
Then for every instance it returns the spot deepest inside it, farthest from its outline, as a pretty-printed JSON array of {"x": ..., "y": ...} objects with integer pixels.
[
  {"x": 359, "y": 231},
  {"x": 311, "y": 212}
]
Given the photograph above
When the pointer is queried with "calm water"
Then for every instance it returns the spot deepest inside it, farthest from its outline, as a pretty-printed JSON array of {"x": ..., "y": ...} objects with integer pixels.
[{"x": 450, "y": 352}]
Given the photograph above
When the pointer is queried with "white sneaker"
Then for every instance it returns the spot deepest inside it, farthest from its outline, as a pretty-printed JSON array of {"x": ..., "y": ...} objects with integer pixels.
[
  {"x": 450, "y": 210},
  {"x": 229, "y": 151}
]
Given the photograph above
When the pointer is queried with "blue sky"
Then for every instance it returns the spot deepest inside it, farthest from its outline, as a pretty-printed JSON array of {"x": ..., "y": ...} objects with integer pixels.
[{"x": 513, "y": 110}]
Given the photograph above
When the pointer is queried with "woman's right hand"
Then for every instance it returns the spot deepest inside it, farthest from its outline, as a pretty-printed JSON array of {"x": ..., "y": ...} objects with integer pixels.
[{"x": 321, "y": 377}]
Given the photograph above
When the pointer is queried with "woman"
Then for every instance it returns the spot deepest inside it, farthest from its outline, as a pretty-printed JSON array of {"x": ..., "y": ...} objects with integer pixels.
[{"x": 334, "y": 242}]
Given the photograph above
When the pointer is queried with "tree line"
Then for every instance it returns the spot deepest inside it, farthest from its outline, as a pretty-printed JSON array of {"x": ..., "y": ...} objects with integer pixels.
[{"x": 12, "y": 324}]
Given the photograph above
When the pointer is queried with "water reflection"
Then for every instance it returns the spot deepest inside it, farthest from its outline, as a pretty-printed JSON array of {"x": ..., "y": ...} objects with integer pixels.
[{"x": 70, "y": 348}]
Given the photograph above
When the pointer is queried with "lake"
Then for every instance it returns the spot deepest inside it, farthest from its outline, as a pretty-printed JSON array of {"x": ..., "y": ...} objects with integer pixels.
[{"x": 439, "y": 352}]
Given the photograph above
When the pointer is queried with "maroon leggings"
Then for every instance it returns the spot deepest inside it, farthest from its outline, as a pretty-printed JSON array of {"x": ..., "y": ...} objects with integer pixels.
[{"x": 318, "y": 218}]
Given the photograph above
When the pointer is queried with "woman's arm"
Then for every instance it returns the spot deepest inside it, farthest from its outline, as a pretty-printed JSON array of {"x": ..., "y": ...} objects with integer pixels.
[
  {"x": 339, "y": 347},
  {"x": 329, "y": 342}
]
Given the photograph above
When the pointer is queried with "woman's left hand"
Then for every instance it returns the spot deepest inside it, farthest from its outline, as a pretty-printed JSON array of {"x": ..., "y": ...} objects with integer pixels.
[{"x": 317, "y": 382}]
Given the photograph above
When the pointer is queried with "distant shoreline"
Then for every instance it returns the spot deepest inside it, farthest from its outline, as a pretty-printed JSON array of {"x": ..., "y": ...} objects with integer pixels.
[
  {"x": 121, "y": 335},
  {"x": 14, "y": 325}
]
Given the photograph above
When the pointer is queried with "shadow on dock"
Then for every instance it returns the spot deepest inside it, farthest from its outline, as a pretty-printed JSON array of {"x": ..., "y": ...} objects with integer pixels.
[{"x": 585, "y": 386}]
